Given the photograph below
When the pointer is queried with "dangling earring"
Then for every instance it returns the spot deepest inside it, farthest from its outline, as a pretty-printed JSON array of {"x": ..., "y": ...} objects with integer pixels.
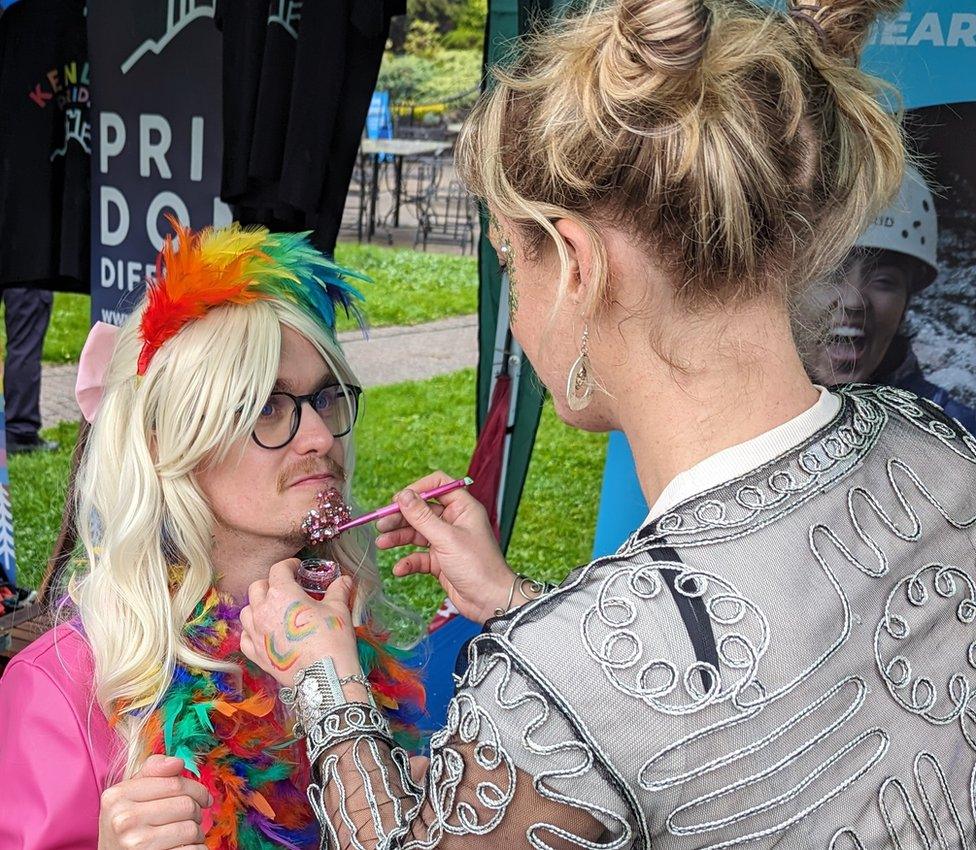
[
  {"x": 508, "y": 265},
  {"x": 579, "y": 386}
]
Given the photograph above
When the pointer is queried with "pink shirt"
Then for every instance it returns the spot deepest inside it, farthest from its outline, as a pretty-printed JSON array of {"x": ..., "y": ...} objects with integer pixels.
[{"x": 56, "y": 747}]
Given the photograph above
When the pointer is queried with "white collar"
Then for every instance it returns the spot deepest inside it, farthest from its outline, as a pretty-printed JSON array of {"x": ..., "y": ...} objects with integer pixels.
[{"x": 738, "y": 460}]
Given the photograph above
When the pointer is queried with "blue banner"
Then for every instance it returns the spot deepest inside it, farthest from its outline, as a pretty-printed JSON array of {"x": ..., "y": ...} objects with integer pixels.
[{"x": 928, "y": 51}]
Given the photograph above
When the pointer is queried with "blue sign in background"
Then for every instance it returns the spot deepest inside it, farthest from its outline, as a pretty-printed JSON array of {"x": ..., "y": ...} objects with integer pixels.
[{"x": 928, "y": 51}]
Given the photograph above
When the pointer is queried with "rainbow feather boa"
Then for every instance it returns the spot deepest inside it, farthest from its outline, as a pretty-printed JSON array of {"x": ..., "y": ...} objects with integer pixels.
[{"x": 234, "y": 738}]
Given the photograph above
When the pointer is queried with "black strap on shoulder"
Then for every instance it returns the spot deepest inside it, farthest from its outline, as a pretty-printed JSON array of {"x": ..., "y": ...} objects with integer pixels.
[{"x": 693, "y": 612}]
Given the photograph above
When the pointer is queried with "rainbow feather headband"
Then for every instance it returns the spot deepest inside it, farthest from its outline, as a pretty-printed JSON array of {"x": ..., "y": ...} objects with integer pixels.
[{"x": 236, "y": 265}]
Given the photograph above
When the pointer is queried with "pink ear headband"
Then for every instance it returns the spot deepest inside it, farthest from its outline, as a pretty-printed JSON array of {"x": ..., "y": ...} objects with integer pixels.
[{"x": 94, "y": 360}]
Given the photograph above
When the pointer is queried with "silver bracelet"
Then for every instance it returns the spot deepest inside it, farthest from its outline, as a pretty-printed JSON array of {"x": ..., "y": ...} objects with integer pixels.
[
  {"x": 317, "y": 691},
  {"x": 359, "y": 680},
  {"x": 520, "y": 582},
  {"x": 287, "y": 697}
]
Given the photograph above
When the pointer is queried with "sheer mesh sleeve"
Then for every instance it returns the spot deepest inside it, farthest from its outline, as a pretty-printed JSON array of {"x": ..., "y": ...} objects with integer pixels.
[{"x": 509, "y": 768}]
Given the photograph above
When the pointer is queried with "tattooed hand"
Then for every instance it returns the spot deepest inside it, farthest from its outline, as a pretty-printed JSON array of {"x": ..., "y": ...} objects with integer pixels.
[{"x": 286, "y": 630}]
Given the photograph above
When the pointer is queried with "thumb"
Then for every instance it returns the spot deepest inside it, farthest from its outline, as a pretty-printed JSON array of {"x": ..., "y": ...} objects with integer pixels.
[
  {"x": 284, "y": 571},
  {"x": 157, "y": 765},
  {"x": 418, "y": 513},
  {"x": 341, "y": 590}
]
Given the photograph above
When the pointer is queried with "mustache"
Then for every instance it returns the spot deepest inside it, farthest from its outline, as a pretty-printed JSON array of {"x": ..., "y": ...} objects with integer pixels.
[{"x": 311, "y": 466}]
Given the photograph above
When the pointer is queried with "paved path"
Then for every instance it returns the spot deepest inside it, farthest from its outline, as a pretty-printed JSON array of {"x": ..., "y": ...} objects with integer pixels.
[{"x": 389, "y": 356}]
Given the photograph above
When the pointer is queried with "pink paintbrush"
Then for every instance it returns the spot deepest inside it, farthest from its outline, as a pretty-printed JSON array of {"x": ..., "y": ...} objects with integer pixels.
[{"x": 332, "y": 517}]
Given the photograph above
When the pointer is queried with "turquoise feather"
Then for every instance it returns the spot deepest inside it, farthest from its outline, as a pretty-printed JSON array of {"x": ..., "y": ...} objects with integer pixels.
[{"x": 318, "y": 283}]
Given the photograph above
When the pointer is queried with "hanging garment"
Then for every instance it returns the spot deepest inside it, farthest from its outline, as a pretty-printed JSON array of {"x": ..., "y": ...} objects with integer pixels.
[
  {"x": 307, "y": 87},
  {"x": 45, "y": 146}
]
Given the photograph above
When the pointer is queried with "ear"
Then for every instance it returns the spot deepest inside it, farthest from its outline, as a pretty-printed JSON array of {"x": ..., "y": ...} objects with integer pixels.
[{"x": 580, "y": 248}]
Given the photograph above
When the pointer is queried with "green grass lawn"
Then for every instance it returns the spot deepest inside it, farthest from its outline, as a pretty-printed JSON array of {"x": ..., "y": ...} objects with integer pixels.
[
  {"x": 401, "y": 437},
  {"x": 409, "y": 287}
]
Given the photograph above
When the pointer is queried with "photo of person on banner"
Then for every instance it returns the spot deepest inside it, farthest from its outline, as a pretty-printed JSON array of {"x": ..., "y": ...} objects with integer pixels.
[
  {"x": 866, "y": 299},
  {"x": 941, "y": 318}
]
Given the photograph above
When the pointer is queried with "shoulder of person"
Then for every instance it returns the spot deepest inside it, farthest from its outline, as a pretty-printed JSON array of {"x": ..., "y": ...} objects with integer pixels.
[
  {"x": 609, "y": 606},
  {"x": 59, "y": 663},
  {"x": 63, "y": 655},
  {"x": 55, "y": 745},
  {"x": 933, "y": 418},
  {"x": 609, "y": 641}
]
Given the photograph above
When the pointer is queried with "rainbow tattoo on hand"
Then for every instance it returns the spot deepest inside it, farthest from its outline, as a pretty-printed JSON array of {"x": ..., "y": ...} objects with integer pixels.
[{"x": 295, "y": 632}]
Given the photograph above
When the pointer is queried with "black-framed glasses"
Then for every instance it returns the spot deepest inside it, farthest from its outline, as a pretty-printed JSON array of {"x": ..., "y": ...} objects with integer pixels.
[{"x": 281, "y": 416}]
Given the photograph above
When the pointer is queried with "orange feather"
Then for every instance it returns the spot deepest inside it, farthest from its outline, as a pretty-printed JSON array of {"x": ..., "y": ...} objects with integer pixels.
[{"x": 187, "y": 284}]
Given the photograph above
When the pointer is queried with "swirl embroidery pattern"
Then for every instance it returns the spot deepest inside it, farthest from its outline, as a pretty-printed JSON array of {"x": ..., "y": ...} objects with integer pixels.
[{"x": 935, "y": 584}]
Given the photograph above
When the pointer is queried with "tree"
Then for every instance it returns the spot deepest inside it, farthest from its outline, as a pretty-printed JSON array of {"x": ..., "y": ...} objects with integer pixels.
[
  {"x": 444, "y": 13},
  {"x": 469, "y": 29},
  {"x": 461, "y": 23}
]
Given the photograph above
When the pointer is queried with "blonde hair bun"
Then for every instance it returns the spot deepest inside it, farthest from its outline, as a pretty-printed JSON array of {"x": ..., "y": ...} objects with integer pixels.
[
  {"x": 663, "y": 36},
  {"x": 739, "y": 144}
]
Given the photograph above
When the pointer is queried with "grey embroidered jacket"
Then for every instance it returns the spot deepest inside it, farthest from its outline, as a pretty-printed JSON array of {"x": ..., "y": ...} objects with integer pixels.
[{"x": 785, "y": 660}]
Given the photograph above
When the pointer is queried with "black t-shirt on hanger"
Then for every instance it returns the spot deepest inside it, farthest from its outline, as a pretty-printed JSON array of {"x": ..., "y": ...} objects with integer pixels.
[
  {"x": 340, "y": 48},
  {"x": 259, "y": 38},
  {"x": 274, "y": 93},
  {"x": 319, "y": 64},
  {"x": 45, "y": 146},
  {"x": 244, "y": 25},
  {"x": 367, "y": 34}
]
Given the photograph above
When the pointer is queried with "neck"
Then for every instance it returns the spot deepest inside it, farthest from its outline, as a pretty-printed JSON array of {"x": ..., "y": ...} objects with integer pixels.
[
  {"x": 240, "y": 559},
  {"x": 744, "y": 379}
]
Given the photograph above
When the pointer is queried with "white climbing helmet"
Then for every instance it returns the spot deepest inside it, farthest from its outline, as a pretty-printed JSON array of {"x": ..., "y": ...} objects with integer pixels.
[{"x": 909, "y": 226}]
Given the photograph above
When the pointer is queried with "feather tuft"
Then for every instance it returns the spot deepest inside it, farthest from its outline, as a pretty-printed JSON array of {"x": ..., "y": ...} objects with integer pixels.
[{"x": 198, "y": 271}]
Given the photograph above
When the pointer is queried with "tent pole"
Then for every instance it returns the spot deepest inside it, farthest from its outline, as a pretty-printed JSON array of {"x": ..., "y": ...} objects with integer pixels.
[{"x": 508, "y": 360}]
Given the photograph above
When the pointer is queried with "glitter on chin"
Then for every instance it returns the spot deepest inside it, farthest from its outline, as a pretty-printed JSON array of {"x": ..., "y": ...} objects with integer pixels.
[{"x": 322, "y": 522}]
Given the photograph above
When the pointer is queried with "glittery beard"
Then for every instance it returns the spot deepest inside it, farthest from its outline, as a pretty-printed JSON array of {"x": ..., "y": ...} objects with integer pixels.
[{"x": 322, "y": 522}]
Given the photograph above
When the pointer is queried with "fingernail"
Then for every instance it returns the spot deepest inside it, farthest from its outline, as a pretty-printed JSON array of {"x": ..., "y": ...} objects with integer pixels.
[
  {"x": 209, "y": 799},
  {"x": 406, "y": 496}
]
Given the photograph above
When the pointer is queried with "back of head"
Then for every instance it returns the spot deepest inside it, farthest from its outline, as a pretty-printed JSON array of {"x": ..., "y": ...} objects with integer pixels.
[{"x": 741, "y": 145}]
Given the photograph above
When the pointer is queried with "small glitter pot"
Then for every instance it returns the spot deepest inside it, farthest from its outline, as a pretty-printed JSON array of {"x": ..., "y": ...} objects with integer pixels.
[{"x": 316, "y": 574}]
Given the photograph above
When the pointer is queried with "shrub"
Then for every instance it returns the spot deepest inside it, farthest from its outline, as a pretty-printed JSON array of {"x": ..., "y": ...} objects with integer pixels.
[
  {"x": 469, "y": 28},
  {"x": 404, "y": 76},
  {"x": 423, "y": 39},
  {"x": 454, "y": 72},
  {"x": 420, "y": 80}
]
